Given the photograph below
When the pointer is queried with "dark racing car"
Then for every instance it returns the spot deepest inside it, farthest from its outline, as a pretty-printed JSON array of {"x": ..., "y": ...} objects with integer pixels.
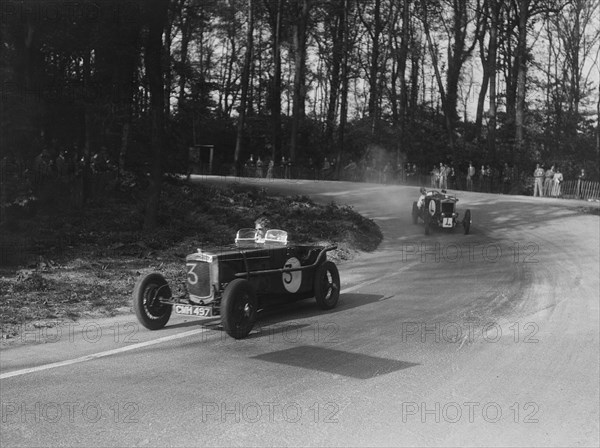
[
  {"x": 237, "y": 281},
  {"x": 438, "y": 209}
]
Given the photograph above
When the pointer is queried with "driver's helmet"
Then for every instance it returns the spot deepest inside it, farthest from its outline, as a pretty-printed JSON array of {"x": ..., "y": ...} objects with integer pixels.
[{"x": 423, "y": 190}]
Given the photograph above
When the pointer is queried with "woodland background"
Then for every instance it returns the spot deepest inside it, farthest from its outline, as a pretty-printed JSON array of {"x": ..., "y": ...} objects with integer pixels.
[{"x": 453, "y": 81}]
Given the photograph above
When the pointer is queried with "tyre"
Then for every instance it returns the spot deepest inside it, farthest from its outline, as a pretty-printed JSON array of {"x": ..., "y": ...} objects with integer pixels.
[
  {"x": 327, "y": 285},
  {"x": 467, "y": 221},
  {"x": 415, "y": 213},
  {"x": 427, "y": 223},
  {"x": 147, "y": 293},
  {"x": 239, "y": 307}
]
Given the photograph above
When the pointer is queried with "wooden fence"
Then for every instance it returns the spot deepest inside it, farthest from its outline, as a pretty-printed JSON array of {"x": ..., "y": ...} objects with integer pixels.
[{"x": 575, "y": 189}]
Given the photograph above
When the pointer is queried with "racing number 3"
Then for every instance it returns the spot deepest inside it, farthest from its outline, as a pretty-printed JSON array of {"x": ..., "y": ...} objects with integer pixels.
[
  {"x": 192, "y": 276},
  {"x": 292, "y": 280}
]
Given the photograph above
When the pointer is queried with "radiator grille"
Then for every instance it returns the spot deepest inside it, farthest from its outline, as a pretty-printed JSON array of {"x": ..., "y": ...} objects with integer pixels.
[
  {"x": 447, "y": 208},
  {"x": 199, "y": 278}
]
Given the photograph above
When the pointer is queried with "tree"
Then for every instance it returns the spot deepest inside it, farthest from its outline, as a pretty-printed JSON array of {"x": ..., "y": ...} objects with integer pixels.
[
  {"x": 156, "y": 14},
  {"x": 245, "y": 83}
]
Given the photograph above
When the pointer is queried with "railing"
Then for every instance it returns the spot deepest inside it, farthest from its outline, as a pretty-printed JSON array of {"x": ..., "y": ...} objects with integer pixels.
[{"x": 576, "y": 189}]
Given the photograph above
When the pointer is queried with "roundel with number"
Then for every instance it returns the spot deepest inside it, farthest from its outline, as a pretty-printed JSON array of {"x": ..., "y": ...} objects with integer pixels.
[
  {"x": 432, "y": 207},
  {"x": 292, "y": 280}
]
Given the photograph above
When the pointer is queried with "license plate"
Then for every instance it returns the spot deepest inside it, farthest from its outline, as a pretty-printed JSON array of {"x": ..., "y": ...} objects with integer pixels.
[
  {"x": 193, "y": 310},
  {"x": 447, "y": 222}
]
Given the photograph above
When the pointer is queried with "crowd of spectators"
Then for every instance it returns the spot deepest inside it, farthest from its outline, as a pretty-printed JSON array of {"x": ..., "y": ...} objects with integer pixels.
[
  {"x": 501, "y": 178},
  {"x": 53, "y": 172}
]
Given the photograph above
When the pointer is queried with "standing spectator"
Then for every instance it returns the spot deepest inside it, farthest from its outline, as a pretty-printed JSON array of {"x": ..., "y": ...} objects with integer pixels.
[
  {"x": 470, "y": 176},
  {"x": 288, "y": 168},
  {"x": 387, "y": 169},
  {"x": 325, "y": 168},
  {"x": 311, "y": 169},
  {"x": 61, "y": 164},
  {"x": 538, "y": 186},
  {"x": 282, "y": 167},
  {"x": 249, "y": 166},
  {"x": 580, "y": 180},
  {"x": 556, "y": 181},
  {"x": 548, "y": 181},
  {"x": 270, "y": 169},
  {"x": 443, "y": 176},
  {"x": 452, "y": 176},
  {"x": 259, "y": 168},
  {"x": 506, "y": 179},
  {"x": 435, "y": 175}
]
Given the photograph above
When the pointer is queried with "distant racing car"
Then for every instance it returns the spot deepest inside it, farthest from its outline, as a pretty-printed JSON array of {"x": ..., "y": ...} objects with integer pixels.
[
  {"x": 439, "y": 209},
  {"x": 236, "y": 281}
]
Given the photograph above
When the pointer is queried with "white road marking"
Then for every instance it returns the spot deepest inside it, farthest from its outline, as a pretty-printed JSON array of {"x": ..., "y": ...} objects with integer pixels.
[
  {"x": 102, "y": 354},
  {"x": 163, "y": 339},
  {"x": 370, "y": 282}
]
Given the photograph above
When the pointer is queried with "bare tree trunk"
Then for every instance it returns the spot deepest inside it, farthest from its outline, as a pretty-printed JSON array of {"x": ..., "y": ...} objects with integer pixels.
[
  {"x": 521, "y": 77},
  {"x": 344, "y": 86},
  {"x": 438, "y": 78},
  {"x": 299, "y": 62},
  {"x": 245, "y": 82},
  {"x": 337, "y": 57},
  {"x": 492, "y": 64},
  {"x": 156, "y": 11},
  {"x": 276, "y": 100}
]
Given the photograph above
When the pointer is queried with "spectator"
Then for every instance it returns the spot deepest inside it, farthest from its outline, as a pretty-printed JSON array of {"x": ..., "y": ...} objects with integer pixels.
[
  {"x": 325, "y": 168},
  {"x": 580, "y": 180},
  {"x": 548, "y": 181},
  {"x": 451, "y": 176},
  {"x": 435, "y": 176},
  {"x": 443, "y": 176},
  {"x": 556, "y": 181},
  {"x": 470, "y": 176},
  {"x": 506, "y": 179},
  {"x": 259, "y": 168},
  {"x": 387, "y": 169},
  {"x": 538, "y": 186},
  {"x": 249, "y": 166},
  {"x": 311, "y": 168},
  {"x": 270, "y": 169}
]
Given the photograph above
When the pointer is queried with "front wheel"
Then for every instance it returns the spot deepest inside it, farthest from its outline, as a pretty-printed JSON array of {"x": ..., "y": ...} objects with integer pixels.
[
  {"x": 427, "y": 223},
  {"x": 147, "y": 293},
  {"x": 467, "y": 221},
  {"x": 238, "y": 308},
  {"x": 327, "y": 285}
]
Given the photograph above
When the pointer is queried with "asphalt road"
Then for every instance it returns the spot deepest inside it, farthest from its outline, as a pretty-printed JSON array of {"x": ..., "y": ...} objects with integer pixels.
[{"x": 489, "y": 339}]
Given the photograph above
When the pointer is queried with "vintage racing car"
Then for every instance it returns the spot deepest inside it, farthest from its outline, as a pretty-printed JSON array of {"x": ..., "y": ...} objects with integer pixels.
[
  {"x": 439, "y": 209},
  {"x": 236, "y": 281}
]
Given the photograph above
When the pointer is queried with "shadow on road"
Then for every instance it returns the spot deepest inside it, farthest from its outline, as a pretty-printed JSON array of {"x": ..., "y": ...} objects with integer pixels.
[{"x": 337, "y": 362}]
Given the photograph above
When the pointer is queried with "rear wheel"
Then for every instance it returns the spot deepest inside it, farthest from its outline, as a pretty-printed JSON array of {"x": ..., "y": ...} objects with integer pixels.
[
  {"x": 147, "y": 293},
  {"x": 467, "y": 221},
  {"x": 238, "y": 308},
  {"x": 415, "y": 213},
  {"x": 327, "y": 285}
]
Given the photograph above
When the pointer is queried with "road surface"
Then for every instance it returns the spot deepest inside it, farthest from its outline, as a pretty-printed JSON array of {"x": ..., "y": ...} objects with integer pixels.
[{"x": 487, "y": 339}]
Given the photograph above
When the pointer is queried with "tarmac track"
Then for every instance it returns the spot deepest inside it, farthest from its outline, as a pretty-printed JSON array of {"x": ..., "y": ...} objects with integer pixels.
[{"x": 448, "y": 340}]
